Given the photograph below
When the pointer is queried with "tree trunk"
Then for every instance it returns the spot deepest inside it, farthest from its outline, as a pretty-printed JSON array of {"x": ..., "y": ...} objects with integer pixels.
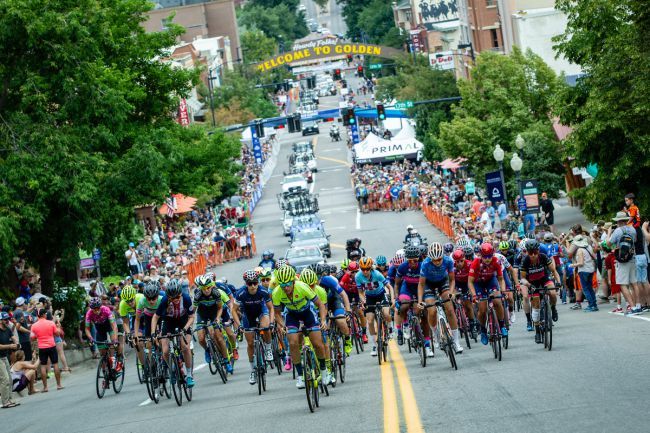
[{"x": 46, "y": 268}]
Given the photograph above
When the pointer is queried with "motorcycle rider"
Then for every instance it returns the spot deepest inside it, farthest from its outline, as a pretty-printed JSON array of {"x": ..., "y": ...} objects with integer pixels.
[
  {"x": 412, "y": 236},
  {"x": 267, "y": 260},
  {"x": 334, "y": 133},
  {"x": 354, "y": 250}
]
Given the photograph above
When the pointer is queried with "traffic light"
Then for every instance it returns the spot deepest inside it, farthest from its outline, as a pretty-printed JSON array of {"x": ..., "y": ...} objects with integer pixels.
[
  {"x": 337, "y": 74},
  {"x": 349, "y": 58},
  {"x": 381, "y": 113},
  {"x": 259, "y": 128},
  {"x": 348, "y": 116},
  {"x": 293, "y": 122},
  {"x": 360, "y": 70}
]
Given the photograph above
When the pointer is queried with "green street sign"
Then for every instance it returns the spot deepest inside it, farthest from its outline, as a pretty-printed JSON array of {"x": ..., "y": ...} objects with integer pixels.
[
  {"x": 403, "y": 105},
  {"x": 375, "y": 66}
]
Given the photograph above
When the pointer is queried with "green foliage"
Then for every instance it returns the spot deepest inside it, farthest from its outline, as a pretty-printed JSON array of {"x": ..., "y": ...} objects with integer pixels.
[
  {"x": 86, "y": 126},
  {"x": 609, "y": 108},
  {"x": 72, "y": 300},
  {"x": 416, "y": 82},
  {"x": 376, "y": 20},
  {"x": 256, "y": 46},
  {"x": 508, "y": 95},
  {"x": 351, "y": 11},
  {"x": 237, "y": 87},
  {"x": 281, "y": 22}
]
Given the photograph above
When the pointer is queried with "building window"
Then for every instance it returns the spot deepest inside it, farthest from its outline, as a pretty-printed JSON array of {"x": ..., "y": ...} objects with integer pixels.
[
  {"x": 490, "y": 2},
  {"x": 495, "y": 38}
]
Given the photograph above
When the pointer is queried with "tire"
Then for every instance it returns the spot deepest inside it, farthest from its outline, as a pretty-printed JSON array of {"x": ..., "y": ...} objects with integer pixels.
[
  {"x": 497, "y": 336},
  {"x": 140, "y": 369},
  {"x": 212, "y": 365},
  {"x": 259, "y": 367},
  {"x": 153, "y": 382},
  {"x": 118, "y": 381},
  {"x": 342, "y": 362},
  {"x": 216, "y": 363},
  {"x": 186, "y": 389},
  {"x": 334, "y": 359},
  {"x": 548, "y": 326},
  {"x": 307, "y": 377},
  {"x": 416, "y": 333},
  {"x": 175, "y": 379},
  {"x": 447, "y": 343},
  {"x": 380, "y": 342},
  {"x": 465, "y": 329},
  {"x": 163, "y": 371},
  {"x": 102, "y": 378},
  {"x": 275, "y": 346}
]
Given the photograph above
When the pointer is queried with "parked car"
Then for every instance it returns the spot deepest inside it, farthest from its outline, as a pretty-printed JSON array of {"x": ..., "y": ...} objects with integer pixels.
[
  {"x": 312, "y": 236},
  {"x": 301, "y": 257},
  {"x": 310, "y": 128},
  {"x": 294, "y": 182}
]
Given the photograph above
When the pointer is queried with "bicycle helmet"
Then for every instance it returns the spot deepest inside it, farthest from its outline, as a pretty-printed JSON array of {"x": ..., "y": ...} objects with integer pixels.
[
  {"x": 435, "y": 251},
  {"x": 366, "y": 263},
  {"x": 381, "y": 260},
  {"x": 513, "y": 244},
  {"x": 308, "y": 277},
  {"x": 469, "y": 252},
  {"x": 548, "y": 237},
  {"x": 504, "y": 246},
  {"x": 448, "y": 248},
  {"x": 345, "y": 263},
  {"x": 281, "y": 262},
  {"x": 354, "y": 254},
  {"x": 398, "y": 258},
  {"x": 211, "y": 276},
  {"x": 258, "y": 269},
  {"x": 251, "y": 276},
  {"x": 412, "y": 252},
  {"x": 95, "y": 302},
  {"x": 332, "y": 270},
  {"x": 353, "y": 266},
  {"x": 458, "y": 255},
  {"x": 128, "y": 293},
  {"x": 399, "y": 252},
  {"x": 487, "y": 250},
  {"x": 267, "y": 254},
  {"x": 462, "y": 242},
  {"x": 173, "y": 288},
  {"x": 477, "y": 249},
  {"x": 151, "y": 291},
  {"x": 265, "y": 273},
  {"x": 522, "y": 245},
  {"x": 286, "y": 274},
  {"x": 532, "y": 245},
  {"x": 424, "y": 250},
  {"x": 530, "y": 235},
  {"x": 202, "y": 280}
]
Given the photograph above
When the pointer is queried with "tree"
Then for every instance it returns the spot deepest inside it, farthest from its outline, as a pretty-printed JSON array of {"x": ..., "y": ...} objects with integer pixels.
[
  {"x": 608, "y": 108},
  {"x": 256, "y": 46},
  {"x": 508, "y": 95},
  {"x": 239, "y": 89},
  {"x": 417, "y": 82},
  {"x": 281, "y": 22},
  {"x": 351, "y": 11},
  {"x": 86, "y": 127},
  {"x": 376, "y": 21}
]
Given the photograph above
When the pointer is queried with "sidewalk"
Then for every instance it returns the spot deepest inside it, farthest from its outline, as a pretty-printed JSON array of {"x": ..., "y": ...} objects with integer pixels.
[{"x": 566, "y": 216}]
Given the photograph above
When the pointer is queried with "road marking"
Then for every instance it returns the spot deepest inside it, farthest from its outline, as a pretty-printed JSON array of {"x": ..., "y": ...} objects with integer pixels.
[
  {"x": 337, "y": 246},
  {"x": 647, "y": 319},
  {"x": 340, "y": 161},
  {"x": 313, "y": 183},
  {"x": 409, "y": 403},
  {"x": 358, "y": 219},
  {"x": 197, "y": 368},
  {"x": 146, "y": 402},
  {"x": 391, "y": 415}
]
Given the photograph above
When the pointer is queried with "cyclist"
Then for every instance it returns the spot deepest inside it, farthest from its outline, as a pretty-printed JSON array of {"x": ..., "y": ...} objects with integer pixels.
[
  {"x": 448, "y": 248},
  {"x": 535, "y": 272},
  {"x": 406, "y": 282},
  {"x": 344, "y": 268},
  {"x": 254, "y": 305},
  {"x": 129, "y": 299},
  {"x": 147, "y": 306},
  {"x": 267, "y": 260},
  {"x": 374, "y": 289},
  {"x": 227, "y": 316},
  {"x": 349, "y": 284},
  {"x": 522, "y": 288},
  {"x": 177, "y": 312},
  {"x": 468, "y": 250},
  {"x": 265, "y": 276},
  {"x": 209, "y": 303},
  {"x": 461, "y": 276},
  {"x": 338, "y": 303},
  {"x": 102, "y": 318},
  {"x": 437, "y": 280},
  {"x": 397, "y": 260},
  {"x": 381, "y": 264},
  {"x": 299, "y": 299},
  {"x": 509, "y": 276},
  {"x": 486, "y": 280}
]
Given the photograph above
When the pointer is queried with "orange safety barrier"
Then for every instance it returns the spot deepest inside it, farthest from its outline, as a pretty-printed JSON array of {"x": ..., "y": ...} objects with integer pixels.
[{"x": 438, "y": 219}]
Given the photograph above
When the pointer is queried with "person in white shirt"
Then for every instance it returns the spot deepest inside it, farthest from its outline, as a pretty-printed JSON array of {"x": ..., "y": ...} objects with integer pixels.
[
  {"x": 485, "y": 219},
  {"x": 132, "y": 259}
]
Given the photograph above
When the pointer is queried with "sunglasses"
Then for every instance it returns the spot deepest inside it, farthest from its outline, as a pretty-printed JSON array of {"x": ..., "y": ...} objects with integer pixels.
[
  {"x": 265, "y": 280},
  {"x": 436, "y": 260},
  {"x": 286, "y": 284},
  {"x": 251, "y": 283},
  {"x": 533, "y": 253},
  {"x": 366, "y": 270},
  {"x": 487, "y": 258}
]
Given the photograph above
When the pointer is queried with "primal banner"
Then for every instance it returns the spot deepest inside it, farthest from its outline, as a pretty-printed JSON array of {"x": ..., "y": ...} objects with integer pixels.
[{"x": 319, "y": 51}]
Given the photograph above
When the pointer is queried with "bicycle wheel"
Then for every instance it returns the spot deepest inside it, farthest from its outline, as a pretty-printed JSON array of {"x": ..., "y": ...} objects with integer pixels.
[
  {"x": 102, "y": 378},
  {"x": 341, "y": 361},
  {"x": 317, "y": 375},
  {"x": 140, "y": 369},
  {"x": 385, "y": 345},
  {"x": 153, "y": 379},
  {"x": 464, "y": 328},
  {"x": 308, "y": 378},
  {"x": 259, "y": 371},
  {"x": 447, "y": 343},
  {"x": 212, "y": 365},
  {"x": 175, "y": 379},
  {"x": 217, "y": 362},
  {"x": 548, "y": 325},
  {"x": 275, "y": 346},
  {"x": 163, "y": 371},
  {"x": 118, "y": 376},
  {"x": 333, "y": 358},
  {"x": 354, "y": 332},
  {"x": 492, "y": 332},
  {"x": 497, "y": 335},
  {"x": 380, "y": 337},
  {"x": 418, "y": 340},
  {"x": 188, "y": 389}
]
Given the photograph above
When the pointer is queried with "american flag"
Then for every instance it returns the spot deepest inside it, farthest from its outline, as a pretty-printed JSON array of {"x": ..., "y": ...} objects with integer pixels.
[{"x": 171, "y": 206}]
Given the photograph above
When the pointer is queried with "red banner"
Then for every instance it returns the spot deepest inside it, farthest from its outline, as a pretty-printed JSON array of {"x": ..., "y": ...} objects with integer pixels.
[{"x": 183, "y": 115}]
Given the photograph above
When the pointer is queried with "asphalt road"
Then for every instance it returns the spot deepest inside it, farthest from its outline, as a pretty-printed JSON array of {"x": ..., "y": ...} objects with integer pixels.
[
  {"x": 594, "y": 380},
  {"x": 329, "y": 17}
]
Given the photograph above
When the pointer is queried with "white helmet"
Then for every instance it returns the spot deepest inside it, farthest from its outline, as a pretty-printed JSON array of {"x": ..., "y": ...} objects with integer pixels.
[
  {"x": 399, "y": 252},
  {"x": 435, "y": 251},
  {"x": 409, "y": 227},
  {"x": 414, "y": 232}
]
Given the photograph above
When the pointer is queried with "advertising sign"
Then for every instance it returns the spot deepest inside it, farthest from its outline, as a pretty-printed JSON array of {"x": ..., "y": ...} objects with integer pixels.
[
  {"x": 355, "y": 133},
  {"x": 183, "y": 115},
  {"x": 257, "y": 146},
  {"x": 530, "y": 192},
  {"x": 443, "y": 60},
  {"x": 495, "y": 189},
  {"x": 437, "y": 11}
]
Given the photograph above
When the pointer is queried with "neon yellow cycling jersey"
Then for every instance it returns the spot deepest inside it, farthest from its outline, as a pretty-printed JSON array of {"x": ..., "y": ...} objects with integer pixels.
[
  {"x": 321, "y": 293},
  {"x": 125, "y": 309},
  {"x": 274, "y": 282},
  {"x": 302, "y": 296}
]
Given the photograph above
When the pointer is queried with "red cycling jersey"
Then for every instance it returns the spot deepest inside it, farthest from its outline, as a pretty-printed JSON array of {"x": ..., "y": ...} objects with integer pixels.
[
  {"x": 461, "y": 275},
  {"x": 348, "y": 283},
  {"x": 481, "y": 271}
]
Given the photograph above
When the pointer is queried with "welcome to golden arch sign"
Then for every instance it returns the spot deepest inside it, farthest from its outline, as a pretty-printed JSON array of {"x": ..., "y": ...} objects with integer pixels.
[{"x": 325, "y": 51}]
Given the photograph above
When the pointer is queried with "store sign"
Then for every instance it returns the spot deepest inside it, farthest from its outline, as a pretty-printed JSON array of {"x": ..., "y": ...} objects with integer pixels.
[
  {"x": 183, "y": 114},
  {"x": 529, "y": 190},
  {"x": 257, "y": 146},
  {"x": 415, "y": 41},
  {"x": 494, "y": 188},
  {"x": 444, "y": 60}
]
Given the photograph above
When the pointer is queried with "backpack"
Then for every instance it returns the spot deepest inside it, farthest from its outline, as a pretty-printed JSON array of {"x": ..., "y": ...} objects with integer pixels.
[{"x": 625, "y": 250}]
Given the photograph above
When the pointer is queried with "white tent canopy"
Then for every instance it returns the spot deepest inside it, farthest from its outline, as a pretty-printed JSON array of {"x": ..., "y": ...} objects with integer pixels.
[
  {"x": 406, "y": 133},
  {"x": 375, "y": 149}
]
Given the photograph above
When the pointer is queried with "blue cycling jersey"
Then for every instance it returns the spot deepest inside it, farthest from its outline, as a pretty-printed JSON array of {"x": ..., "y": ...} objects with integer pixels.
[
  {"x": 410, "y": 276},
  {"x": 392, "y": 272},
  {"x": 551, "y": 250},
  {"x": 373, "y": 286},
  {"x": 252, "y": 304},
  {"x": 331, "y": 286},
  {"x": 435, "y": 273}
]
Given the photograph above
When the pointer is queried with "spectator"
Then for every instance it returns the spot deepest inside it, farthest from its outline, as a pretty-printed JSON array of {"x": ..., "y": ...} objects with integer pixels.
[
  {"x": 547, "y": 208},
  {"x": 23, "y": 373},
  {"x": 622, "y": 240},
  {"x": 615, "y": 289},
  {"x": 502, "y": 215},
  {"x": 585, "y": 263},
  {"x": 491, "y": 213},
  {"x": 44, "y": 331},
  {"x": 132, "y": 259},
  {"x": 632, "y": 211},
  {"x": 23, "y": 318},
  {"x": 8, "y": 343}
]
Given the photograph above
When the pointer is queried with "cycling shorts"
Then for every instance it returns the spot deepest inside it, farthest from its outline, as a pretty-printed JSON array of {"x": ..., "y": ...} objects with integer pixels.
[
  {"x": 433, "y": 289},
  {"x": 226, "y": 316},
  {"x": 353, "y": 297},
  {"x": 486, "y": 288},
  {"x": 308, "y": 317},
  {"x": 538, "y": 284},
  {"x": 405, "y": 298},
  {"x": 371, "y": 301},
  {"x": 171, "y": 324},
  {"x": 250, "y": 321},
  {"x": 335, "y": 306}
]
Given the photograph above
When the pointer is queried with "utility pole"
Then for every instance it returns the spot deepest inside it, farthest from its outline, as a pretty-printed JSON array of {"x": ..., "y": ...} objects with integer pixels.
[{"x": 211, "y": 91}]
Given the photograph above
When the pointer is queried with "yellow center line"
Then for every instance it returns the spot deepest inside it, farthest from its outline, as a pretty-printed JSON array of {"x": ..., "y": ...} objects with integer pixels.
[
  {"x": 391, "y": 415},
  {"x": 409, "y": 403},
  {"x": 337, "y": 245},
  {"x": 340, "y": 161}
]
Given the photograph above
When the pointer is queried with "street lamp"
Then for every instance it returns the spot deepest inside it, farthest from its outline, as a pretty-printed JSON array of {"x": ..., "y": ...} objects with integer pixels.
[
  {"x": 516, "y": 163},
  {"x": 519, "y": 142},
  {"x": 498, "y": 155}
]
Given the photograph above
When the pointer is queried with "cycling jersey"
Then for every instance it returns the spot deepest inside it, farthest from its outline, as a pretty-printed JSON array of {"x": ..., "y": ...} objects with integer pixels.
[
  {"x": 410, "y": 278},
  {"x": 331, "y": 286},
  {"x": 392, "y": 273},
  {"x": 461, "y": 275},
  {"x": 373, "y": 286},
  {"x": 552, "y": 250},
  {"x": 103, "y": 317},
  {"x": 484, "y": 272},
  {"x": 252, "y": 305},
  {"x": 125, "y": 309},
  {"x": 539, "y": 271},
  {"x": 207, "y": 306},
  {"x": 349, "y": 284},
  {"x": 300, "y": 300},
  {"x": 147, "y": 308},
  {"x": 321, "y": 293},
  {"x": 436, "y": 273},
  {"x": 505, "y": 265},
  {"x": 170, "y": 309}
]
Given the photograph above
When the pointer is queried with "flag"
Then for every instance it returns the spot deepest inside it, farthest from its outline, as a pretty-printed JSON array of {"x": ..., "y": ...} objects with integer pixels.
[{"x": 171, "y": 206}]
